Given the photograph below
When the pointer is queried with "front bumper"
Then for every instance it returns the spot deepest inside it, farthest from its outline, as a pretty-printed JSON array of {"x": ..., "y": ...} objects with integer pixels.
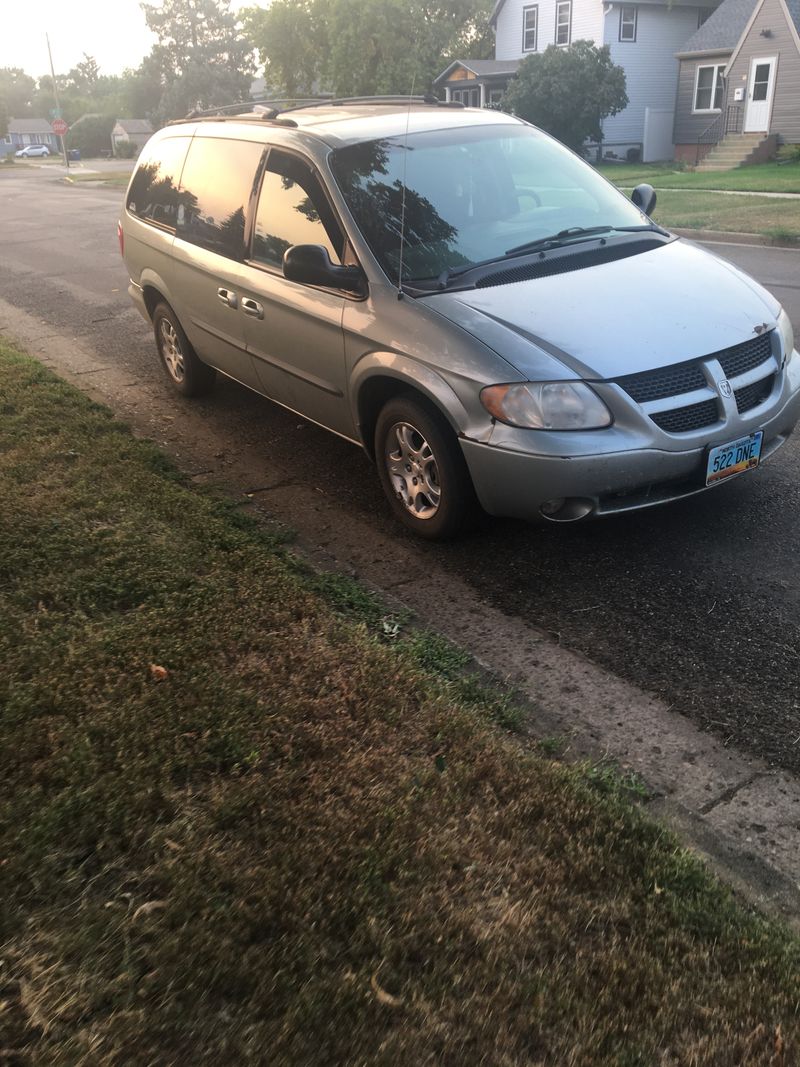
[{"x": 516, "y": 484}]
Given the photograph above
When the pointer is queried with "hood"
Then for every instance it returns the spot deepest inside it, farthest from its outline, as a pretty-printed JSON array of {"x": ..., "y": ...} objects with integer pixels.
[{"x": 673, "y": 303}]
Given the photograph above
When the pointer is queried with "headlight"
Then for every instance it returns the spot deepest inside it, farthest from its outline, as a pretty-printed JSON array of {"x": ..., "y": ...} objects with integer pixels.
[
  {"x": 547, "y": 406},
  {"x": 787, "y": 334}
]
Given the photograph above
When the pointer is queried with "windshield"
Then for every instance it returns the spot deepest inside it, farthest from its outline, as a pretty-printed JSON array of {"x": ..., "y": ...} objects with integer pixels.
[{"x": 472, "y": 194}]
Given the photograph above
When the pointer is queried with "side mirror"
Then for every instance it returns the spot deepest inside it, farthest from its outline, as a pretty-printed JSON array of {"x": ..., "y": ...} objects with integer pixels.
[
  {"x": 644, "y": 197},
  {"x": 311, "y": 265}
]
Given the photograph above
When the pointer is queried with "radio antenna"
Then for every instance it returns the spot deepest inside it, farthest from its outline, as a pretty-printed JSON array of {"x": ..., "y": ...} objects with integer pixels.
[{"x": 403, "y": 200}]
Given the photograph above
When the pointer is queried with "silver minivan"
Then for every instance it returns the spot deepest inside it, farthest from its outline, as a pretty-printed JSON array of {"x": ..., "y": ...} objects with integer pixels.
[{"x": 463, "y": 297}]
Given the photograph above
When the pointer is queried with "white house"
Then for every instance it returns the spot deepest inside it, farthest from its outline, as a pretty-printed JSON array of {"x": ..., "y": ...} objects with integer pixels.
[{"x": 643, "y": 38}]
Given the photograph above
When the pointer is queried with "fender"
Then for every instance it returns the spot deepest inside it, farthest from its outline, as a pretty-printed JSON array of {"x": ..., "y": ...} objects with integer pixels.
[
  {"x": 423, "y": 379},
  {"x": 151, "y": 278}
]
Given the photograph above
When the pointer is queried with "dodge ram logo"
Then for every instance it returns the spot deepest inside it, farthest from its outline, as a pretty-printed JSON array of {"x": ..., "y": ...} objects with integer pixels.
[{"x": 725, "y": 387}]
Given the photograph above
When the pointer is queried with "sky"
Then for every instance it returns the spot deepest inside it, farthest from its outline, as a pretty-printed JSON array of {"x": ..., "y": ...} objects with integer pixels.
[{"x": 113, "y": 31}]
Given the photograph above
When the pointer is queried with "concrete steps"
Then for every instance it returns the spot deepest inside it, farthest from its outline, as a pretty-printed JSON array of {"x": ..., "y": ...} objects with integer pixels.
[{"x": 737, "y": 150}]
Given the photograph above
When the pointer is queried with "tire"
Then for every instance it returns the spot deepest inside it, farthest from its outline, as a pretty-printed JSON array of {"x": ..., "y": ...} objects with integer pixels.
[
  {"x": 188, "y": 374},
  {"x": 422, "y": 470}
]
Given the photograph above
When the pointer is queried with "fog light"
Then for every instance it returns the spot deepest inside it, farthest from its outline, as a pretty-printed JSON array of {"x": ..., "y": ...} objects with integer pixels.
[{"x": 552, "y": 507}]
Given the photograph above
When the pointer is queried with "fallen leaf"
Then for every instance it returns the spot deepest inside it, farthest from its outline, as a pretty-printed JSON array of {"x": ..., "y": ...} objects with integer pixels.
[
  {"x": 148, "y": 907},
  {"x": 158, "y": 674},
  {"x": 382, "y": 996}
]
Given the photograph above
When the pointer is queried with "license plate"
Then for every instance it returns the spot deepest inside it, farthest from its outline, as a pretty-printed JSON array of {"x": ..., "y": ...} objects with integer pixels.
[{"x": 726, "y": 460}]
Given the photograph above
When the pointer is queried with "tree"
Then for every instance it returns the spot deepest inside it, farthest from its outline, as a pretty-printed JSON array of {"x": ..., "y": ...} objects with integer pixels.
[
  {"x": 202, "y": 55},
  {"x": 292, "y": 40},
  {"x": 568, "y": 91},
  {"x": 91, "y": 134},
  {"x": 3, "y": 118},
  {"x": 85, "y": 77},
  {"x": 356, "y": 47},
  {"x": 16, "y": 90}
]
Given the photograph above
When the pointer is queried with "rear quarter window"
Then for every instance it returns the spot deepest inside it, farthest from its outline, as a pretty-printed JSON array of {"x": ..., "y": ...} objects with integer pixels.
[
  {"x": 217, "y": 183},
  {"x": 153, "y": 192}
]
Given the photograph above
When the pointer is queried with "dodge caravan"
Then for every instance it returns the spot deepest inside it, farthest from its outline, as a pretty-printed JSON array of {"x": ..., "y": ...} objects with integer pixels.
[{"x": 457, "y": 293}]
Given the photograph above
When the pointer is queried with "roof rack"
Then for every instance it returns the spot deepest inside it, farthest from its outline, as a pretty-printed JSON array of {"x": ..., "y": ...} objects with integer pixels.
[
  {"x": 271, "y": 110},
  {"x": 343, "y": 101}
]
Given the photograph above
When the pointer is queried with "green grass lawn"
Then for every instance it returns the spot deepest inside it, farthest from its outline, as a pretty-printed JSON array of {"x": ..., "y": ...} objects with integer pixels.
[
  {"x": 763, "y": 177},
  {"x": 244, "y": 820},
  {"x": 778, "y": 219}
]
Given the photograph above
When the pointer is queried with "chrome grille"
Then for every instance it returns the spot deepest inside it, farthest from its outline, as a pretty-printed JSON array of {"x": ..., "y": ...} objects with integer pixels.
[
  {"x": 682, "y": 420},
  {"x": 751, "y": 396}
]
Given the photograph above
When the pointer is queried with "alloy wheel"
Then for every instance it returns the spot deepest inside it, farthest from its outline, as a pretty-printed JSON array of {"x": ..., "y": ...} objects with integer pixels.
[
  {"x": 171, "y": 350},
  {"x": 413, "y": 470}
]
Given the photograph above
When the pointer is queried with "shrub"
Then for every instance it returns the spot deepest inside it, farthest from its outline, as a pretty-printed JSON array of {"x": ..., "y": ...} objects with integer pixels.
[
  {"x": 91, "y": 134},
  {"x": 789, "y": 153},
  {"x": 568, "y": 91},
  {"x": 126, "y": 149}
]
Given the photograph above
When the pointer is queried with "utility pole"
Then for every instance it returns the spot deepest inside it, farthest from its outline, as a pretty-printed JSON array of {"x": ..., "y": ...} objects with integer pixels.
[{"x": 55, "y": 94}]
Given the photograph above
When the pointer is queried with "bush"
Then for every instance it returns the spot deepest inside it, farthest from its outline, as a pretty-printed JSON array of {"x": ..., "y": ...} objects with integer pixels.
[
  {"x": 126, "y": 150},
  {"x": 568, "y": 91},
  {"x": 789, "y": 153},
  {"x": 91, "y": 134}
]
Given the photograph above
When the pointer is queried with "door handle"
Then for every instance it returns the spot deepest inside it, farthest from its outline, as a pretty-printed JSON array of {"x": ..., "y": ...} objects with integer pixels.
[
  {"x": 252, "y": 307},
  {"x": 228, "y": 297}
]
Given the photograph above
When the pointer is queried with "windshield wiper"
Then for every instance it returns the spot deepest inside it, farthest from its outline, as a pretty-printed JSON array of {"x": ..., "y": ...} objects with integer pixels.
[
  {"x": 555, "y": 240},
  {"x": 565, "y": 236}
]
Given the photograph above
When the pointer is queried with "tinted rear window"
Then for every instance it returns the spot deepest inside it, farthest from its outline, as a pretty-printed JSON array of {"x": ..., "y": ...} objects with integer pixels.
[
  {"x": 218, "y": 180},
  {"x": 153, "y": 193}
]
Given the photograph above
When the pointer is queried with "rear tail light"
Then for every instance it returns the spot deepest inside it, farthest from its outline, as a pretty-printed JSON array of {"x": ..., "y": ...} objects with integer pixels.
[{"x": 121, "y": 239}]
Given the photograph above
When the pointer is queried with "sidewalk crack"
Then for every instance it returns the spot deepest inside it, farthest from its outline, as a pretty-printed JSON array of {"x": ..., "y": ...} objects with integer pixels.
[{"x": 730, "y": 793}]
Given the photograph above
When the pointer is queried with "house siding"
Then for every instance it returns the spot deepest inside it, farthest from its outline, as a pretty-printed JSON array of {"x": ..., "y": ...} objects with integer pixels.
[
  {"x": 650, "y": 65},
  {"x": 651, "y": 69},
  {"x": 587, "y": 25},
  {"x": 785, "y": 120},
  {"x": 688, "y": 127}
]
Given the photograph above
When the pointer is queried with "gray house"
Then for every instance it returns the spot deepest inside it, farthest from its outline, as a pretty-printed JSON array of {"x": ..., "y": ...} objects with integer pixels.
[
  {"x": 739, "y": 84},
  {"x": 135, "y": 131},
  {"x": 22, "y": 132},
  {"x": 476, "y": 82}
]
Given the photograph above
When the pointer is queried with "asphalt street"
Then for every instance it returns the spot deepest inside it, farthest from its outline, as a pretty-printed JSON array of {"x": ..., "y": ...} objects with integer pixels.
[{"x": 698, "y": 602}]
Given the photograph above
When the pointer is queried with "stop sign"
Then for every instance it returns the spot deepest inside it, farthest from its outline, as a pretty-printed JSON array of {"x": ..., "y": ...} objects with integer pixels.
[{"x": 59, "y": 127}]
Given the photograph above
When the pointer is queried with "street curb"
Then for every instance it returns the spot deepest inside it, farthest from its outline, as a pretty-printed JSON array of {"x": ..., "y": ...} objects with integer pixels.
[{"x": 732, "y": 237}]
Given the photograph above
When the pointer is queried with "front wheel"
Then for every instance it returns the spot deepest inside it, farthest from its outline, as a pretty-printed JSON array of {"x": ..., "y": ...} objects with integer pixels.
[
  {"x": 422, "y": 470},
  {"x": 188, "y": 374}
]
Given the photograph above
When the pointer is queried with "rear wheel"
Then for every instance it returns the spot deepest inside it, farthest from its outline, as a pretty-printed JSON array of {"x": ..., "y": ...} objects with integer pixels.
[
  {"x": 188, "y": 374},
  {"x": 422, "y": 470}
]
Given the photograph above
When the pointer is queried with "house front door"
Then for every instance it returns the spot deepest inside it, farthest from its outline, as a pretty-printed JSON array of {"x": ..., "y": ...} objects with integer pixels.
[{"x": 760, "y": 88}]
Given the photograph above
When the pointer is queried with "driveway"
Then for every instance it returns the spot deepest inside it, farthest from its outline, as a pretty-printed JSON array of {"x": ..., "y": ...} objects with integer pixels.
[{"x": 698, "y": 603}]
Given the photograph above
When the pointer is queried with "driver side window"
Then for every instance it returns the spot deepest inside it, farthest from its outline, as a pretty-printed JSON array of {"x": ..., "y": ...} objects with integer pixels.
[{"x": 293, "y": 210}]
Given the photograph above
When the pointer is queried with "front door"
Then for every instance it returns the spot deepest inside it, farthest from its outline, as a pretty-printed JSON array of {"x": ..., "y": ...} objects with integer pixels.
[{"x": 759, "y": 95}]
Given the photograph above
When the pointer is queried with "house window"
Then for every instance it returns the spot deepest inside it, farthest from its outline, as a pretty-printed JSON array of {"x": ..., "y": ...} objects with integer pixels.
[
  {"x": 709, "y": 88},
  {"x": 495, "y": 96},
  {"x": 530, "y": 27},
  {"x": 563, "y": 21},
  {"x": 628, "y": 19}
]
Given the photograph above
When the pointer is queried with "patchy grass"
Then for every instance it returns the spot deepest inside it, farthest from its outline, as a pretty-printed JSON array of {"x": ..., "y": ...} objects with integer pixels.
[
  {"x": 760, "y": 178},
  {"x": 737, "y": 214},
  {"x": 241, "y": 821},
  {"x": 113, "y": 178}
]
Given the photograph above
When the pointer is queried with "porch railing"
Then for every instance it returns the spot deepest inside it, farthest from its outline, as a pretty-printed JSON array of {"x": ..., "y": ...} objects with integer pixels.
[{"x": 728, "y": 121}]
